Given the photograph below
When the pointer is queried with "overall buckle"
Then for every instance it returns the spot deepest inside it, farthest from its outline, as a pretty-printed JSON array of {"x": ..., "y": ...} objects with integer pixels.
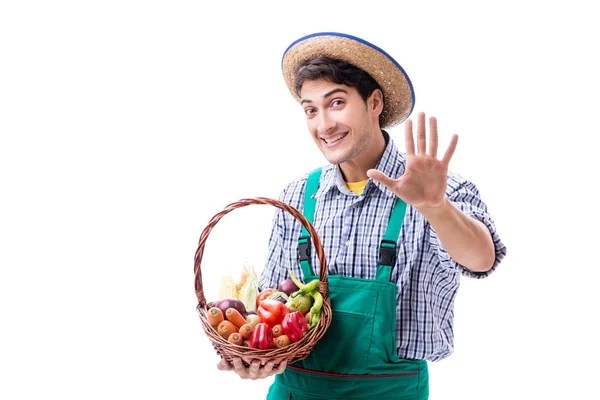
[
  {"x": 304, "y": 248},
  {"x": 387, "y": 253}
]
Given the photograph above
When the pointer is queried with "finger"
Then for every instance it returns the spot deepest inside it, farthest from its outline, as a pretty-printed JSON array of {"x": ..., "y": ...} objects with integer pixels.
[
  {"x": 281, "y": 367},
  {"x": 268, "y": 368},
  {"x": 421, "y": 139},
  {"x": 433, "y": 137},
  {"x": 450, "y": 151},
  {"x": 224, "y": 365},
  {"x": 380, "y": 177},
  {"x": 408, "y": 137},
  {"x": 254, "y": 369},
  {"x": 239, "y": 367}
]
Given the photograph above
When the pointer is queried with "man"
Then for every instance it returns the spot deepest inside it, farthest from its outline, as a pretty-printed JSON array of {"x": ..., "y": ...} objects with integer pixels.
[{"x": 398, "y": 230}]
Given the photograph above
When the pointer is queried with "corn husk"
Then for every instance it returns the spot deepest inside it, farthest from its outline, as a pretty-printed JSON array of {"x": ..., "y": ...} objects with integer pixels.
[
  {"x": 240, "y": 283},
  {"x": 227, "y": 288},
  {"x": 248, "y": 290}
]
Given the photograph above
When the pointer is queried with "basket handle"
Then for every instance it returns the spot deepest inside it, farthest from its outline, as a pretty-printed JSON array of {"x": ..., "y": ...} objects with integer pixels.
[{"x": 323, "y": 286}]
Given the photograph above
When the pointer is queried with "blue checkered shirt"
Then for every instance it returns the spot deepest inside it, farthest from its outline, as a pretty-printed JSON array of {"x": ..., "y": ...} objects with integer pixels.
[{"x": 351, "y": 228}]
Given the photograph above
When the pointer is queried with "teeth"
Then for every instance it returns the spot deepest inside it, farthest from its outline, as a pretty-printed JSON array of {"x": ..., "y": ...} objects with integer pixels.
[{"x": 335, "y": 139}]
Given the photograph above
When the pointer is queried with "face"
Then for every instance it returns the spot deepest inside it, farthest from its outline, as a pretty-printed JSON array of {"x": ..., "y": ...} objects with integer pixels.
[{"x": 339, "y": 121}]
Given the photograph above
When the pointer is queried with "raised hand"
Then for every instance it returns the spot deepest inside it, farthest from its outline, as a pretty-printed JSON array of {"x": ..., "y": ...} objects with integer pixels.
[{"x": 423, "y": 184}]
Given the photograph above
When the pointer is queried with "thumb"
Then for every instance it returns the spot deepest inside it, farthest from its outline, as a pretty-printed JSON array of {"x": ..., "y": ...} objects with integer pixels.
[{"x": 380, "y": 177}]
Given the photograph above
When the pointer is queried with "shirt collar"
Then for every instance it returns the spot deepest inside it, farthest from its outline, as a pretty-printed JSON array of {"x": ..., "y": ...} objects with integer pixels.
[{"x": 392, "y": 164}]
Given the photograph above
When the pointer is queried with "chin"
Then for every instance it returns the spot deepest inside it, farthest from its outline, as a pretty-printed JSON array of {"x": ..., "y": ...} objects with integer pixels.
[
  {"x": 336, "y": 160},
  {"x": 339, "y": 157}
]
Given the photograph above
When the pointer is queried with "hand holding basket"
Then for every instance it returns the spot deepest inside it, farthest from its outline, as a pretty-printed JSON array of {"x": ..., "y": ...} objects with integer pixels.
[{"x": 295, "y": 351}]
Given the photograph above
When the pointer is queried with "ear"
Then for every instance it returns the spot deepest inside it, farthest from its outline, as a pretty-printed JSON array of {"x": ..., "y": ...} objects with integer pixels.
[{"x": 375, "y": 102}]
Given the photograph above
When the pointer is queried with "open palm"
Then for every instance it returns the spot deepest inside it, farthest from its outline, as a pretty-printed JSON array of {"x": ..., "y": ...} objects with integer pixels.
[{"x": 423, "y": 184}]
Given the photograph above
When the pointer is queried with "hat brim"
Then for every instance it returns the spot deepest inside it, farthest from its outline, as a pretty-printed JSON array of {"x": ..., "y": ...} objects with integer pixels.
[{"x": 396, "y": 86}]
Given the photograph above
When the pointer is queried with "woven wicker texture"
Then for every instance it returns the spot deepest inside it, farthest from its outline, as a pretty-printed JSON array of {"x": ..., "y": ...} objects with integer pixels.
[
  {"x": 394, "y": 82},
  {"x": 295, "y": 351}
]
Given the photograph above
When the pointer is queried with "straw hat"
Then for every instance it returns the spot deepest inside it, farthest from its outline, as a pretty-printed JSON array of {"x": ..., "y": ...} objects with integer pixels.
[{"x": 397, "y": 89}]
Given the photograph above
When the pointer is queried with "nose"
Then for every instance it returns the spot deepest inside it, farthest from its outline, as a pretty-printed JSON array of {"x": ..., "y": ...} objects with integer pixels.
[{"x": 325, "y": 124}]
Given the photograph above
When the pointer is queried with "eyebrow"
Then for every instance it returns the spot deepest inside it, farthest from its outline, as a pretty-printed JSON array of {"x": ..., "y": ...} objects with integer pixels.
[{"x": 334, "y": 91}]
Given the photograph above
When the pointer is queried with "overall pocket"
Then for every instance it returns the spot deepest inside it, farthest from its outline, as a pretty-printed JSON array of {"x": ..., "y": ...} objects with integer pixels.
[
  {"x": 383, "y": 348},
  {"x": 345, "y": 347}
]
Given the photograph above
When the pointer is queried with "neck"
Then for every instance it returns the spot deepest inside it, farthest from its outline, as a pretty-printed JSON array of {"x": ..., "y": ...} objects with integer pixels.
[{"x": 355, "y": 170}]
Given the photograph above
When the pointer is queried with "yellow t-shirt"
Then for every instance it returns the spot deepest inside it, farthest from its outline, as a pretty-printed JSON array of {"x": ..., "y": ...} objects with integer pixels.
[{"x": 357, "y": 187}]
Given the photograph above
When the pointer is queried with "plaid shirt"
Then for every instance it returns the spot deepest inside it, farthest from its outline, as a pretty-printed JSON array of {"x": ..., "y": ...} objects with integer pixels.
[{"x": 351, "y": 228}]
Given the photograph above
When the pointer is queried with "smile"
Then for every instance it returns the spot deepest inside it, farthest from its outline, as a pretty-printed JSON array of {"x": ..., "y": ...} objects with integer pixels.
[{"x": 335, "y": 139}]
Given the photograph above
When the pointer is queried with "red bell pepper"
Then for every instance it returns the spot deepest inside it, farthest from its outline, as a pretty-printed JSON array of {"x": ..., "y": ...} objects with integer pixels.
[
  {"x": 271, "y": 312},
  {"x": 262, "y": 336},
  {"x": 294, "y": 325}
]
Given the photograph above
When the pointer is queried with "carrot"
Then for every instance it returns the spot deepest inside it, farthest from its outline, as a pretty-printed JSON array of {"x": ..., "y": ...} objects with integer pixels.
[
  {"x": 246, "y": 331},
  {"x": 277, "y": 331},
  {"x": 214, "y": 316},
  {"x": 226, "y": 328},
  {"x": 282, "y": 341},
  {"x": 235, "y": 317},
  {"x": 235, "y": 338}
]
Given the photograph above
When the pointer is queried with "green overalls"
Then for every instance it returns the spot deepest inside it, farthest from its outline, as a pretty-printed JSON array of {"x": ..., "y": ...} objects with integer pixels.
[{"x": 357, "y": 357}]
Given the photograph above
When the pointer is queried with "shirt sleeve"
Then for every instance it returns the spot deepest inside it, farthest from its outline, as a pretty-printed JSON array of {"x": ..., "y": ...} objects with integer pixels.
[{"x": 464, "y": 195}]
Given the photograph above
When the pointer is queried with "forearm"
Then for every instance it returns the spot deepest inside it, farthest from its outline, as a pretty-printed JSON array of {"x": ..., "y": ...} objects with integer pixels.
[{"x": 467, "y": 240}]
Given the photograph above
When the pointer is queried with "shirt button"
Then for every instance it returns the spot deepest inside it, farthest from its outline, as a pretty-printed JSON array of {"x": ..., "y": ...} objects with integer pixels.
[
  {"x": 338, "y": 196},
  {"x": 348, "y": 243},
  {"x": 354, "y": 205}
]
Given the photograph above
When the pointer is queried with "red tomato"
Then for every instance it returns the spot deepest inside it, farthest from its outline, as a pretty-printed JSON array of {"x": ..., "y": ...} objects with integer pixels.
[
  {"x": 271, "y": 312},
  {"x": 263, "y": 295}
]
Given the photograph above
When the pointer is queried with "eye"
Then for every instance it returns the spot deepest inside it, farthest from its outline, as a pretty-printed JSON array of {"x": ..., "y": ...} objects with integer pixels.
[
  {"x": 310, "y": 111},
  {"x": 337, "y": 103}
]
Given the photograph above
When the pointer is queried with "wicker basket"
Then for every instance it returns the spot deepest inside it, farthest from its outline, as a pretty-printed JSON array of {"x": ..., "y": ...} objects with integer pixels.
[{"x": 295, "y": 351}]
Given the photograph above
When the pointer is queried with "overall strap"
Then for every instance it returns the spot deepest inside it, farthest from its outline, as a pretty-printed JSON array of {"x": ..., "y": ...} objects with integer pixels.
[
  {"x": 387, "y": 249},
  {"x": 304, "y": 243}
]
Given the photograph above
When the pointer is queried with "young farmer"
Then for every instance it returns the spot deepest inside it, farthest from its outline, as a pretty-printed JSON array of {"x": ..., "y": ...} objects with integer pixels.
[{"x": 398, "y": 229}]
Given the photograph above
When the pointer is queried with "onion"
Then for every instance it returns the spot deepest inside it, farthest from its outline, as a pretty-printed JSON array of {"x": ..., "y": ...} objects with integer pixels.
[
  {"x": 229, "y": 302},
  {"x": 287, "y": 286}
]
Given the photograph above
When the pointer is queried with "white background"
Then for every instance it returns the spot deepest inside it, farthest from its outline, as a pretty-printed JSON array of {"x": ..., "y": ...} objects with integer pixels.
[{"x": 125, "y": 126}]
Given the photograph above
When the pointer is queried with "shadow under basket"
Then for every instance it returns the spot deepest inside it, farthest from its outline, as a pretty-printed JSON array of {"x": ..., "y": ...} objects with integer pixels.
[{"x": 295, "y": 351}]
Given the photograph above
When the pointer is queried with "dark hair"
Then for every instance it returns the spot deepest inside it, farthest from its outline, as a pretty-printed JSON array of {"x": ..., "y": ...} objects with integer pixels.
[{"x": 337, "y": 71}]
